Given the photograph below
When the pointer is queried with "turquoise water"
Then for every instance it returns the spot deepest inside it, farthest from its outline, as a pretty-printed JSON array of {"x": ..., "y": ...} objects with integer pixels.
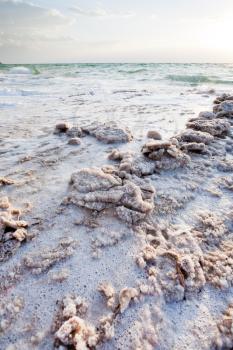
[{"x": 193, "y": 74}]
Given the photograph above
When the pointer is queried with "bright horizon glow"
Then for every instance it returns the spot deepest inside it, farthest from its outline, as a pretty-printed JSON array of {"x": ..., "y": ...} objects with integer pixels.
[{"x": 155, "y": 31}]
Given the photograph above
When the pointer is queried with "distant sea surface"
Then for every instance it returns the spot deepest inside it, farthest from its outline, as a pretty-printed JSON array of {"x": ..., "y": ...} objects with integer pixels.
[{"x": 141, "y": 96}]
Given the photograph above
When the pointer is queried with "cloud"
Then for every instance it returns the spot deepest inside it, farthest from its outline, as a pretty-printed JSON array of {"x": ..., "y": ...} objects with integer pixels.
[
  {"x": 26, "y": 25},
  {"x": 100, "y": 12},
  {"x": 33, "y": 39},
  {"x": 16, "y": 14}
]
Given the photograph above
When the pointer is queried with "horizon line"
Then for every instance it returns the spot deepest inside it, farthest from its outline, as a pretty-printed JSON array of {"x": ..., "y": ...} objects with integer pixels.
[{"x": 93, "y": 63}]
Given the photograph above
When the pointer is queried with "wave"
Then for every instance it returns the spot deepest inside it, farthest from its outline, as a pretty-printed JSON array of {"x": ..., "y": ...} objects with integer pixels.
[
  {"x": 198, "y": 79},
  {"x": 20, "y": 70},
  {"x": 35, "y": 70},
  {"x": 135, "y": 71},
  {"x": 24, "y": 70}
]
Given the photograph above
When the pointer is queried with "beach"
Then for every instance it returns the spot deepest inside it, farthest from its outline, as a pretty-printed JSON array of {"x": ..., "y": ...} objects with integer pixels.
[{"x": 116, "y": 206}]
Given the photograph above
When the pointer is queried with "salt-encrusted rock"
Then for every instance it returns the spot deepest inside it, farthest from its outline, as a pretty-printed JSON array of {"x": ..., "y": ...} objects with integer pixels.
[
  {"x": 12, "y": 231},
  {"x": 224, "y": 338},
  {"x": 166, "y": 154},
  {"x": 125, "y": 297},
  {"x": 106, "y": 327},
  {"x": 73, "y": 305},
  {"x": 95, "y": 189},
  {"x": 108, "y": 132},
  {"x": 210, "y": 228},
  {"x": 61, "y": 128},
  {"x": 10, "y": 223},
  {"x": 75, "y": 131},
  {"x": 131, "y": 217},
  {"x": 206, "y": 115},
  {"x": 9, "y": 310},
  {"x": 194, "y": 141},
  {"x": 133, "y": 163},
  {"x": 115, "y": 154},
  {"x": 193, "y": 147},
  {"x": 108, "y": 291},
  {"x": 153, "y": 134},
  {"x": 224, "y": 109},
  {"x": 20, "y": 234},
  {"x": 75, "y": 332},
  {"x": 93, "y": 179},
  {"x": 74, "y": 141},
  {"x": 177, "y": 264},
  {"x": 78, "y": 333},
  {"x": 148, "y": 254},
  {"x": 4, "y": 202},
  {"x": 222, "y": 98},
  {"x": 5, "y": 181},
  {"x": 215, "y": 127},
  {"x": 190, "y": 135},
  {"x": 218, "y": 265},
  {"x": 155, "y": 145}
]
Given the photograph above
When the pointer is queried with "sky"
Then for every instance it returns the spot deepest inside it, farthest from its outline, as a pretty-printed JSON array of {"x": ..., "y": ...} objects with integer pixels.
[{"x": 66, "y": 31}]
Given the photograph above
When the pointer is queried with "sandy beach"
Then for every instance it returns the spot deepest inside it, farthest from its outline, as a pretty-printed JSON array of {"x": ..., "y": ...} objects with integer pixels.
[{"x": 116, "y": 207}]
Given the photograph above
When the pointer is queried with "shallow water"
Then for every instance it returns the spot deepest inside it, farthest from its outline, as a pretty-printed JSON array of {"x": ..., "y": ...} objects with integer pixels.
[{"x": 162, "y": 96}]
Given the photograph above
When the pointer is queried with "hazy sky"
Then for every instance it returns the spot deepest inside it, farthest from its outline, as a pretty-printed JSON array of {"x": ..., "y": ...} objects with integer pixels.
[{"x": 116, "y": 31}]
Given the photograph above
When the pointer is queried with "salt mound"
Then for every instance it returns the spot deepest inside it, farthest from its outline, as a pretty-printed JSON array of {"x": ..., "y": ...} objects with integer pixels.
[
  {"x": 132, "y": 162},
  {"x": 12, "y": 230},
  {"x": 224, "y": 109},
  {"x": 175, "y": 264},
  {"x": 166, "y": 154},
  {"x": 215, "y": 127},
  {"x": 108, "y": 132},
  {"x": 97, "y": 189},
  {"x": 224, "y": 338},
  {"x": 75, "y": 331},
  {"x": 190, "y": 135},
  {"x": 194, "y": 141}
]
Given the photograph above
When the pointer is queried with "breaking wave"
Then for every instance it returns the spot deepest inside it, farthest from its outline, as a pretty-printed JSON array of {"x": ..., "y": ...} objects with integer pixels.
[
  {"x": 24, "y": 70},
  {"x": 20, "y": 70},
  {"x": 197, "y": 79}
]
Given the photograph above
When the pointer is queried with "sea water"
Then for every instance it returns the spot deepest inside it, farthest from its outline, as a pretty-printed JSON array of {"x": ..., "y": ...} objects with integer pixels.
[{"x": 141, "y": 96}]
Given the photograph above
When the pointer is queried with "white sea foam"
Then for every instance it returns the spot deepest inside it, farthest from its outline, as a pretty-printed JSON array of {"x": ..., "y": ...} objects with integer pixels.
[
  {"x": 18, "y": 92},
  {"x": 20, "y": 70}
]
